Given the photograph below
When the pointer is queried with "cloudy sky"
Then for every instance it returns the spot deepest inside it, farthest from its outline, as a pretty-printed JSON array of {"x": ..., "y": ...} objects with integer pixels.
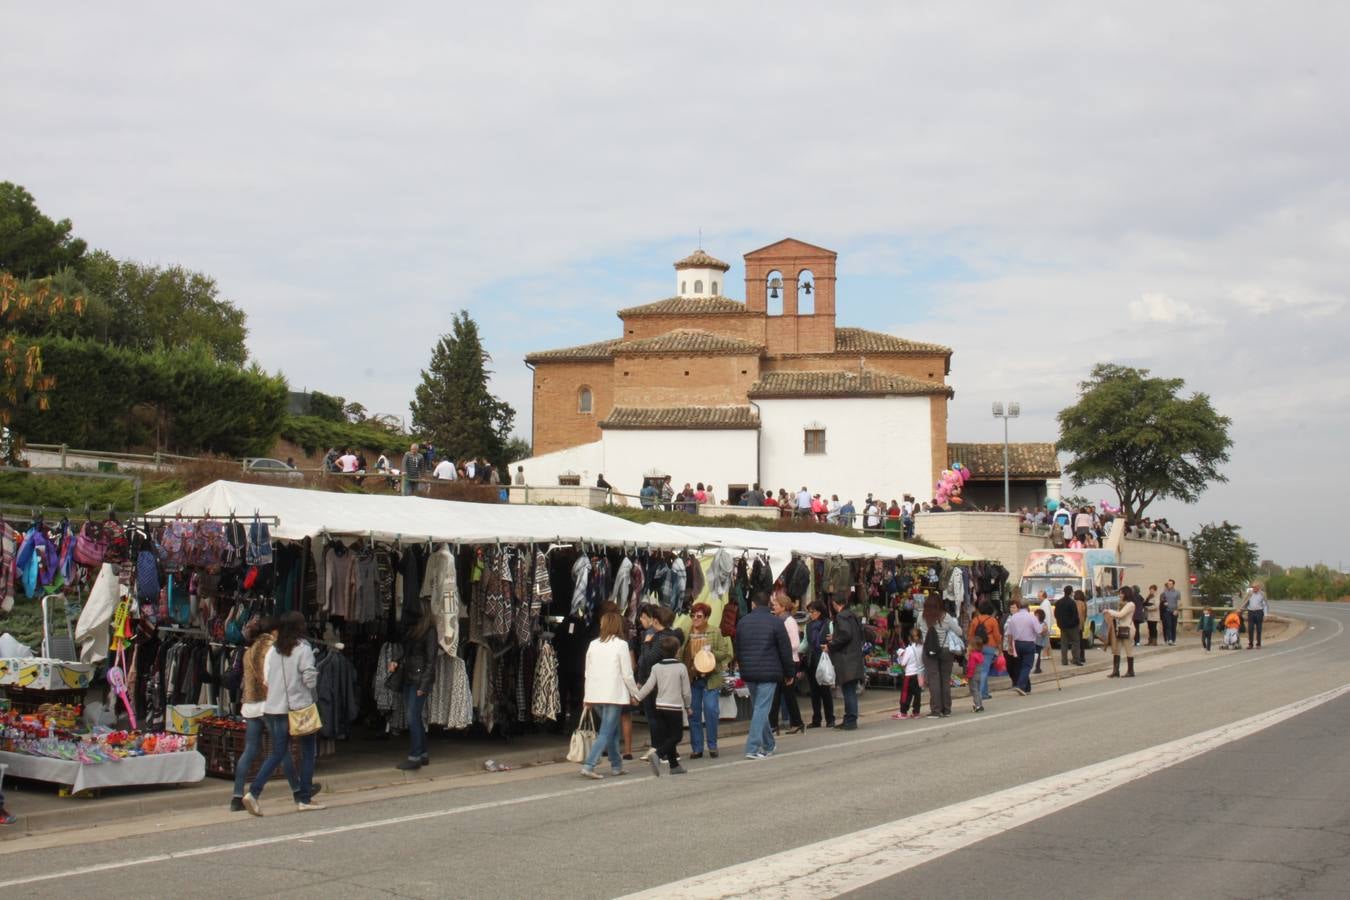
[{"x": 1163, "y": 185}]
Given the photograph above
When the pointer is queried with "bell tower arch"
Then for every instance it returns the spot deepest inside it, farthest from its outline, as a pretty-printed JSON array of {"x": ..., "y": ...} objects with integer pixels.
[{"x": 803, "y": 327}]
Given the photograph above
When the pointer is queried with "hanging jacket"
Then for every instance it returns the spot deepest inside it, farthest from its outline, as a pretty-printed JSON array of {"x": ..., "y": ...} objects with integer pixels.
[
  {"x": 675, "y": 583},
  {"x": 836, "y": 578},
  {"x": 623, "y": 582},
  {"x": 581, "y": 572},
  {"x": 796, "y": 579},
  {"x": 719, "y": 574},
  {"x": 440, "y": 595},
  {"x": 693, "y": 580}
]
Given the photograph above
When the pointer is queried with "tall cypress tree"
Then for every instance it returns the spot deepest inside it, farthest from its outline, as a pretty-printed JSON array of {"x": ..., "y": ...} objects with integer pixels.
[{"x": 453, "y": 407}]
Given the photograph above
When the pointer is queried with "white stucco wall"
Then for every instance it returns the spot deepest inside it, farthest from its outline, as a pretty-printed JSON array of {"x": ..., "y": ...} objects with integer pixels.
[
  {"x": 877, "y": 444},
  {"x": 584, "y": 459},
  {"x": 719, "y": 457},
  {"x": 687, "y": 277}
]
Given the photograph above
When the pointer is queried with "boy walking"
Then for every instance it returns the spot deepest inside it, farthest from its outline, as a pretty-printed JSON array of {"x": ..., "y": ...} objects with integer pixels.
[
  {"x": 674, "y": 696},
  {"x": 1207, "y": 625}
]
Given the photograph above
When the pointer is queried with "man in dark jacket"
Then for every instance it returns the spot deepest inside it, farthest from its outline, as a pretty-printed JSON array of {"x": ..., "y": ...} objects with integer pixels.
[
  {"x": 661, "y": 618},
  {"x": 765, "y": 656},
  {"x": 1070, "y": 627},
  {"x": 846, "y": 653}
]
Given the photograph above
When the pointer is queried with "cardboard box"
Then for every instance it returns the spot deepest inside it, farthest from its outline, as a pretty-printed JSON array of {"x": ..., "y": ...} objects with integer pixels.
[{"x": 186, "y": 718}]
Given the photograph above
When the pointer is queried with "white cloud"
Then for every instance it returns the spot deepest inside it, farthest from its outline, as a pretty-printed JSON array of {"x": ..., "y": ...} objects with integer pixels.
[{"x": 353, "y": 175}]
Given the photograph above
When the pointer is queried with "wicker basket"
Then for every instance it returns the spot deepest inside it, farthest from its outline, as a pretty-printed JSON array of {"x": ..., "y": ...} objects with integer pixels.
[{"x": 222, "y": 746}]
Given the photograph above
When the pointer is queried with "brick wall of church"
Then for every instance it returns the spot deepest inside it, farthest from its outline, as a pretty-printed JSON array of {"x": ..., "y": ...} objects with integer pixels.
[
  {"x": 557, "y": 421},
  {"x": 938, "y": 412},
  {"x": 747, "y": 328},
  {"x": 925, "y": 368},
  {"x": 652, "y": 380}
]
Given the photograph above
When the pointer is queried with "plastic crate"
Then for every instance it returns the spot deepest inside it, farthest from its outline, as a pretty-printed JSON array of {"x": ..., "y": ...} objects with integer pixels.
[{"x": 222, "y": 746}]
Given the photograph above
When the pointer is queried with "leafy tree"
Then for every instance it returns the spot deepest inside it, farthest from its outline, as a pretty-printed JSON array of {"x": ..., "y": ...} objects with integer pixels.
[
  {"x": 1319, "y": 582},
  {"x": 1222, "y": 560},
  {"x": 327, "y": 406},
  {"x": 453, "y": 406},
  {"x": 174, "y": 308},
  {"x": 23, "y": 383},
  {"x": 31, "y": 244},
  {"x": 517, "y": 448},
  {"x": 1137, "y": 434}
]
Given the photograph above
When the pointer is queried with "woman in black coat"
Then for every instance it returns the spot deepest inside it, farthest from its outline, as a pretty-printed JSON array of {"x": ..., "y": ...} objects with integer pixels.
[{"x": 817, "y": 634}]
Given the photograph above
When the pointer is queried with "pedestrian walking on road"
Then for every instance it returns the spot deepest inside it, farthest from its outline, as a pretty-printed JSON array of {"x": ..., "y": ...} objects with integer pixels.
[
  {"x": 766, "y": 661},
  {"x": 1206, "y": 626},
  {"x": 705, "y": 645},
  {"x": 984, "y": 626},
  {"x": 911, "y": 691},
  {"x": 258, "y": 634},
  {"x": 669, "y": 685},
  {"x": 414, "y": 673},
  {"x": 1120, "y": 620},
  {"x": 1042, "y": 639},
  {"x": 609, "y": 688},
  {"x": 291, "y": 677},
  {"x": 817, "y": 636},
  {"x": 1024, "y": 630},
  {"x": 1171, "y": 604},
  {"x": 974, "y": 666},
  {"x": 1256, "y": 605},
  {"x": 846, "y": 652},
  {"x": 1070, "y": 627},
  {"x": 783, "y": 607},
  {"x": 937, "y": 659}
]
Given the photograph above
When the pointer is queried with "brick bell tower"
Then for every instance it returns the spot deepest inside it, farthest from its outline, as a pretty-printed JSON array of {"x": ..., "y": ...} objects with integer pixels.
[{"x": 792, "y": 283}]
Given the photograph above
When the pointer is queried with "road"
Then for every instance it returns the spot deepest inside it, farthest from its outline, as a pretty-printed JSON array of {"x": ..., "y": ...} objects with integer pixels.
[{"x": 1219, "y": 774}]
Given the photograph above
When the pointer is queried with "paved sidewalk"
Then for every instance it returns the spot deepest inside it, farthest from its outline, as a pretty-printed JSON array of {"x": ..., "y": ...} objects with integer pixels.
[{"x": 368, "y": 765}]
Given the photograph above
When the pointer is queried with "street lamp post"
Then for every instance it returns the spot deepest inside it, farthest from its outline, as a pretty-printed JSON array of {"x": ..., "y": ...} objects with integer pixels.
[{"x": 1013, "y": 411}]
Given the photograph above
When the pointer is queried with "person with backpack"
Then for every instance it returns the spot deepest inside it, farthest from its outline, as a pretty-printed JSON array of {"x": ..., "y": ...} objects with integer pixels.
[
  {"x": 846, "y": 653},
  {"x": 938, "y": 659},
  {"x": 984, "y": 626}
]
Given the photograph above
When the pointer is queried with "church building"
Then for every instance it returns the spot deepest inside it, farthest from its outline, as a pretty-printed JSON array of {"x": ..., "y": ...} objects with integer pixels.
[{"x": 769, "y": 390}]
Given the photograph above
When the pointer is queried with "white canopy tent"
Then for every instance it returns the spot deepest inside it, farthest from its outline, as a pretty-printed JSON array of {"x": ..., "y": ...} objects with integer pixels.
[{"x": 305, "y": 513}]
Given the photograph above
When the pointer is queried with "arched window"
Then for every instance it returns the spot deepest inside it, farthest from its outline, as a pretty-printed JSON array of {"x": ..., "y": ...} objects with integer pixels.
[
  {"x": 584, "y": 400},
  {"x": 714, "y": 288},
  {"x": 806, "y": 293},
  {"x": 773, "y": 288},
  {"x": 698, "y": 286},
  {"x": 684, "y": 287}
]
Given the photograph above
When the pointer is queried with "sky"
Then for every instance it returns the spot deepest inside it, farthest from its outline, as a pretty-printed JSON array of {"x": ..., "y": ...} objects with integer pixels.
[{"x": 1041, "y": 187}]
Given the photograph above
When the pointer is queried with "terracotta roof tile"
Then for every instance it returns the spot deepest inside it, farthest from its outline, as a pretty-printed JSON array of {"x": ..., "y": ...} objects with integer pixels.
[
  {"x": 688, "y": 340},
  {"x": 860, "y": 340},
  {"x": 678, "y": 306},
  {"x": 843, "y": 384},
  {"x": 719, "y": 417},
  {"x": 600, "y": 350},
  {"x": 700, "y": 260},
  {"x": 1024, "y": 460}
]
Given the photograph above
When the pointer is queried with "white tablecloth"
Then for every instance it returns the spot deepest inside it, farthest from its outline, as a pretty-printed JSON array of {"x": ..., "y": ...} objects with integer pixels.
[{"x": 165, "y": 768}]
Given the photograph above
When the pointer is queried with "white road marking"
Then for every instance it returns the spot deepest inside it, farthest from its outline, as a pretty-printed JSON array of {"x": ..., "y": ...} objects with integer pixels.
[
  {"x": 833, "y": 867},
  {"x": 609, "y": 784}
]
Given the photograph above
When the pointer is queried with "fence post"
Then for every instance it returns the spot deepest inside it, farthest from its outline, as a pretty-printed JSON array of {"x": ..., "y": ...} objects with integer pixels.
[
  {"x": 157, "y": 461},
  {"x": 63, "y": 456}
]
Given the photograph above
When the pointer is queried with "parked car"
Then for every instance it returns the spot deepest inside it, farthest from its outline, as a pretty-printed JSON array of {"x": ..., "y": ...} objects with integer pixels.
[{"x": 272, "y": 467}]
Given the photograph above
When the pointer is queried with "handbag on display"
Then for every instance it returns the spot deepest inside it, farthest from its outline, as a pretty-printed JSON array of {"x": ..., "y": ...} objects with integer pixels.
[{"x": 582, "y": 739}]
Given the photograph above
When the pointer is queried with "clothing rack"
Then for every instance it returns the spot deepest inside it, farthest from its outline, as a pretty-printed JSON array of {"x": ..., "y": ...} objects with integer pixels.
[{"x": 208, "y": 517}]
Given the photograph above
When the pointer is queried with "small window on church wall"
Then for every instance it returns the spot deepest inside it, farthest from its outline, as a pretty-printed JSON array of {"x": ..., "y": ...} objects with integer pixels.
[
  {"x": 584, "y": 400},
  {"x": 698, "y": 286},
  {"x": 714, "y": 288},
  {"x": 815, "y": 440}
]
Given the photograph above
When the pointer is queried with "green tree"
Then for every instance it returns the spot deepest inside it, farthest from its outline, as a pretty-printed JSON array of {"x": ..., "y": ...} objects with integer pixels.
[
  {"x": 516, "y": 448},
  {"x": 1140, "y": 436},
  {"x": 23, "y": 383},
  {"x": 453, "y": 407},
  {"x": 1222, "y": 560},
  {"x": 31, "y": 244},
  {"x": 170, "y": 307}
]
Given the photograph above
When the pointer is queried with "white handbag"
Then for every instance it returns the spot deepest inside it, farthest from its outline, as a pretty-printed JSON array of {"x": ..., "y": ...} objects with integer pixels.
[{"x": 582, "y": 739}]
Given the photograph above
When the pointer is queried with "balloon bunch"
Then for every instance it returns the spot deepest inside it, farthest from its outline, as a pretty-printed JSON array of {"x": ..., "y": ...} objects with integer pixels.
[
  {"x": 1109, "y": 509},
  {"x": 948, "y": 488}
]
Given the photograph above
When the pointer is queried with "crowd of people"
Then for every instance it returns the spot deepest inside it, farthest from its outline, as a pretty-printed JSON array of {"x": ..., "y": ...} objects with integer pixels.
[{"x": 1085, "y": 526}]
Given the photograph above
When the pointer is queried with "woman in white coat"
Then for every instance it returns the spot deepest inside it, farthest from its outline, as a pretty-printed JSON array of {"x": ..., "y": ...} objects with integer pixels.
[{"x": 610, "y": 689}]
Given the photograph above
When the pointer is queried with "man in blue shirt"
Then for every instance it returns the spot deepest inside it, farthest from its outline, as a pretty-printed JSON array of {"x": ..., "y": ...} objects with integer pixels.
[{"x": 846, "y": 514}]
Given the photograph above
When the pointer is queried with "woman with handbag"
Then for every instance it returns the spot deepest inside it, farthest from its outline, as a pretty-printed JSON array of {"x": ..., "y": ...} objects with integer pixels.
[
  {"x": 413, "y": 674},
  {"x": 609, "y": 688},
  {"x": 783, "y": 607},
  {"x": 1121, "y": 620},
  {"x": 817, "y": 635},
  {"x": 706, "y": 646},
  {"x": 289, "y": 710},
  {"x": 938, "y": 660}
]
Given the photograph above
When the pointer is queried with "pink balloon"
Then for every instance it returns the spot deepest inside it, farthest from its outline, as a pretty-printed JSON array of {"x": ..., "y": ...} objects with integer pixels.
[{"x": 965, "y": 474}]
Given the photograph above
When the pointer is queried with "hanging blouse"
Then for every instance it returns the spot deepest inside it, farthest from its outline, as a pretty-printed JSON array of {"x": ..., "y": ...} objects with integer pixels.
[
  {"x": 547, "y": 703},
  {"x": 440, "y": 591}
]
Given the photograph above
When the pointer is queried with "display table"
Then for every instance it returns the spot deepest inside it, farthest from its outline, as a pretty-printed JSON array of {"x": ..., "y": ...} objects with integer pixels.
[{"x": 164, "y": 768}]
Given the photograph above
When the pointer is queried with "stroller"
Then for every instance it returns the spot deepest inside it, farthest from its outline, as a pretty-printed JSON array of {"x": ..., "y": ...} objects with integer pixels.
[{"x": 1231, "y": 633}]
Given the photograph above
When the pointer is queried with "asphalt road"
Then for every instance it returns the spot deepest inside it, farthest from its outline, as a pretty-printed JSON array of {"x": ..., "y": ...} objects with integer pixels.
[{"x": 1260, "y": 816}]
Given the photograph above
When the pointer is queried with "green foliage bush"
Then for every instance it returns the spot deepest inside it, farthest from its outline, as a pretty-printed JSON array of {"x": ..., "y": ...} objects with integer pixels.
[{"x": 317, "y": 434}]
